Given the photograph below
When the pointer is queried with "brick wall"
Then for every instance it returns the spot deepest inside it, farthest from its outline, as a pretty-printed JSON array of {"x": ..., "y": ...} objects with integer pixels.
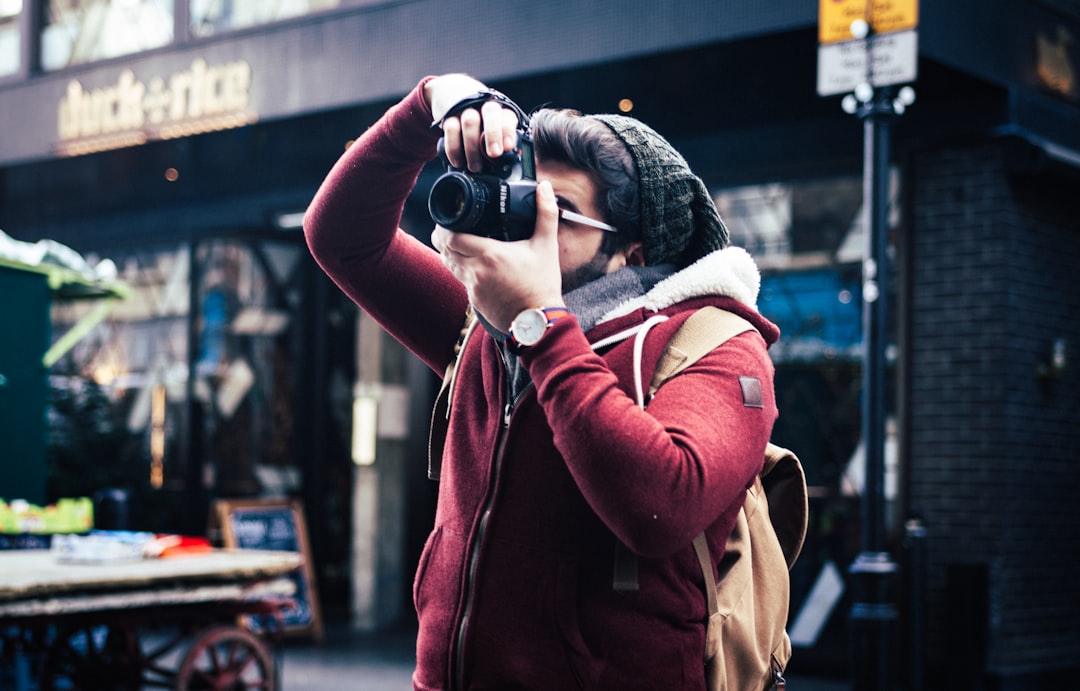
[{"x": 994, "y": 260}]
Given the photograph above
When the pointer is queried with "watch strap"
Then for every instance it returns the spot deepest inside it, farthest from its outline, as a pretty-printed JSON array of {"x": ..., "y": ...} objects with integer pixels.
[{"x": 553, "y": 315}]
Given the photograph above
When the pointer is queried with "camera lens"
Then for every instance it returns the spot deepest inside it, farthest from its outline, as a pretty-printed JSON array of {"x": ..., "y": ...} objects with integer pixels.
[{"x": 457, "y": 202}]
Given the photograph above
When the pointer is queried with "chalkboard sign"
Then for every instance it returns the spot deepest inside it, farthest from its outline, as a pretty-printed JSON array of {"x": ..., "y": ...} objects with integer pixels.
[{"x": 276, "y": 524}]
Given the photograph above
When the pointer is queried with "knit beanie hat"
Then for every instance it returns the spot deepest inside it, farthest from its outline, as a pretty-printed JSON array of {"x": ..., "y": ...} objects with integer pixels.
[{"x": 679, "y": 221}]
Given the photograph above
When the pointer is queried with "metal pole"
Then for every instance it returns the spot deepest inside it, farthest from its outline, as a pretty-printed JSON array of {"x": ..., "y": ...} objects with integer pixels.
[
  {"x": 874, "y": 613},
  {"x": 195, "y": 448},
  {"x": 876, "y": 140},
  {"x": 915, "y": 547}
]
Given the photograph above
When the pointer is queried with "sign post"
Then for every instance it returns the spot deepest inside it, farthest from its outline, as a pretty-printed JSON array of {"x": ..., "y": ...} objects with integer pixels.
[{"x": 868, "y": 47}]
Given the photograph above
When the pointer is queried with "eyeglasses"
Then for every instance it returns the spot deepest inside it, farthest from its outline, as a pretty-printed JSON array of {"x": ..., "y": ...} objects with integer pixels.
[{"x": 585, "y": 221}]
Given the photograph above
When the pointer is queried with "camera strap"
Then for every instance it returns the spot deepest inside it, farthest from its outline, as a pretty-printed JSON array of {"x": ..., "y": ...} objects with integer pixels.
[{"x": 480, "y": 98}]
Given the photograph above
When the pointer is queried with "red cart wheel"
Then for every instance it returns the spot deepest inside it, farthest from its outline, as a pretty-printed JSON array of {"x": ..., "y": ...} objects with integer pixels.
[{"x": 227, "y": 658}]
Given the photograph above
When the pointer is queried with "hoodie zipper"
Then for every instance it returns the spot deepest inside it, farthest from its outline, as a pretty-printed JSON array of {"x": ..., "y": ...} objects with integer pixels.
[
  {"x": 457, "y": 672},
  {"x": 458, "y": 659}
]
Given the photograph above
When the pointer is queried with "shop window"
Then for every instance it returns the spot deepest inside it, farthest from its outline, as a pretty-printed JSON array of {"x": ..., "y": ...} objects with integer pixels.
[
  {"x": 10, "y": 40},
  {"x": 806, "y": 237},
  {"x": 210, "y": 17},
  {"x": 227, "y": 422},
  {"x": 759, "y": 219},
  {"x": 79, "y": 31},
  {"x": 116, "y": 415},
  {"x": 243, "y": 371}
]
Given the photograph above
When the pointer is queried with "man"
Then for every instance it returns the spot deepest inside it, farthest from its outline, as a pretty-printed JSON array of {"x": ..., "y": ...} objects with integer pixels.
[{"x": 552, "y": 468}]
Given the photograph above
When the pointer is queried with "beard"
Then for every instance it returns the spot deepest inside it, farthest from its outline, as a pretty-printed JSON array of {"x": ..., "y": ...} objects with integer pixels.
[{"x": 587, "y": 272}]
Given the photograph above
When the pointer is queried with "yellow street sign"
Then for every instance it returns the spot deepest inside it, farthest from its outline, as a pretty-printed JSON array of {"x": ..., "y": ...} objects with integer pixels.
[
  {"x": 835, "y": 18},
  {"x": 882, "y": 16},
  {"x": 894, "y": 15}
]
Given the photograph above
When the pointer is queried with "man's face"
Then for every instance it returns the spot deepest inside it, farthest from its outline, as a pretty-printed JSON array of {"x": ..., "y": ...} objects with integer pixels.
[{"x": 580, "y": 258}]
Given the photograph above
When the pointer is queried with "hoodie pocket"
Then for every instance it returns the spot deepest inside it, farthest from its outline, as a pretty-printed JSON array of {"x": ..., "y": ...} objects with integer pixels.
[
  {"x": 435, "y": 594},
  {"x": 526, "y": 626},
  {"x": 422, "y": 566},
  {"x": 582, "y": 661}
]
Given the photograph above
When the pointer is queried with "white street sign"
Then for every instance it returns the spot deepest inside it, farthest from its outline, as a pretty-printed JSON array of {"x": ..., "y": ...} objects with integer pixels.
[{"x": 842, "y": 66}]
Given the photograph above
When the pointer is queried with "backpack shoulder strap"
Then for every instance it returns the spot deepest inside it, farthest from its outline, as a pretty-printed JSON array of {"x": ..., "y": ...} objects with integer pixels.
[
  {"x": 706, "y": 329},
  {"x": 440, "y": 415},
  {"x": 782, "y": 476}
]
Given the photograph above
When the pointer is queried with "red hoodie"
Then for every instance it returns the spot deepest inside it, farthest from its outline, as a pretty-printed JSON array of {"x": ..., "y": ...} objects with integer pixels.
[{"x": 515, "y": 585}]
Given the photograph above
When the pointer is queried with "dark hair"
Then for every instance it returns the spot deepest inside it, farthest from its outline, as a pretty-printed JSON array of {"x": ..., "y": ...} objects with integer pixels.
[{"x": 567, "y": 136}]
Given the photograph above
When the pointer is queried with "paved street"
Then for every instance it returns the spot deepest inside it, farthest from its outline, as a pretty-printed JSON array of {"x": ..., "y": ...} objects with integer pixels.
[
  {"x": 349, "y": 660},
  {"x": 354, "y": 661}
]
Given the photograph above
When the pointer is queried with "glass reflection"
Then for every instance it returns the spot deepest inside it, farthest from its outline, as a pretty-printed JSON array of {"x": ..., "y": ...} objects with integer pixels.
[
  {"x": 209, "y": 17},
  {"x": 78, "y": 31},
  {"x": 10, "y": 44}
]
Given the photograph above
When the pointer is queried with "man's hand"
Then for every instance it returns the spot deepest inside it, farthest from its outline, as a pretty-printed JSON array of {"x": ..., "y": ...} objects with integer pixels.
[
  {"x": 504, "y": 278},
  {"x": 472, "y": 134}
]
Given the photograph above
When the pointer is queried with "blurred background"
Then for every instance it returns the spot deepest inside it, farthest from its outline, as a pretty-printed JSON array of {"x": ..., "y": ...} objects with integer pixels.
[{"x": 166, "y": 340}]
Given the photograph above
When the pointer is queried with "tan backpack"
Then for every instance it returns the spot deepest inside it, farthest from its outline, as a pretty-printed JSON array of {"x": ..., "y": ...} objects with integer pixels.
[{"x": 747, "y": 645}]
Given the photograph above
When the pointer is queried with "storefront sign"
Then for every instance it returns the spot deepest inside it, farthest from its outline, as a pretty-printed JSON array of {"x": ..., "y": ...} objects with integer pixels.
[{"x": 202, "y": 98}]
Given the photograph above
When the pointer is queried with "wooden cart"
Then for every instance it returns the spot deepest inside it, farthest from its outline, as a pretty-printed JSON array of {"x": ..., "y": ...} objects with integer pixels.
[{"x": 155, "y": 623}]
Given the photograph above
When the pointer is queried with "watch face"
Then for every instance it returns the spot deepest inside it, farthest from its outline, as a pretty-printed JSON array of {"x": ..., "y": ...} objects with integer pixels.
[{"x": 529, "y": 326}]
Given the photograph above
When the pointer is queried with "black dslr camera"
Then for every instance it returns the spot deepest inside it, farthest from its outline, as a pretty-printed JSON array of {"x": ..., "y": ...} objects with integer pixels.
[{"x": 498, "y": 202}]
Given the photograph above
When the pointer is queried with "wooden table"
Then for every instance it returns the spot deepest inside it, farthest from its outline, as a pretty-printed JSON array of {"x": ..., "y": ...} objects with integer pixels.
[{"x": 127, "y": 625}]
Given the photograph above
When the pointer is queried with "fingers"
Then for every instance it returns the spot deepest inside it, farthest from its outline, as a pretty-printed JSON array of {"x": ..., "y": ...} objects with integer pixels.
[
  {"x": 475, "y": 135},
  {"x": 510, "y": 126},
  {"x": 451, "y": 245},
  {"x": 547, "y": 213},
  {"x": 452, "y": 146},
  {"x": 462, "y": 141},
  {"x": 438, "y": 239},
  {"x": 458, "y": 247},
  {"x": 452, "y": 257},
  {"x": 470, "y": 136},
  {"x": 500, "y": 129},
  {"x": 502, "y": 278}
]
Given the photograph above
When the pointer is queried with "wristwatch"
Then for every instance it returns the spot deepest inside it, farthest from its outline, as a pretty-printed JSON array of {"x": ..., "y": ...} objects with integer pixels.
[{"x": 529, "y": 326}]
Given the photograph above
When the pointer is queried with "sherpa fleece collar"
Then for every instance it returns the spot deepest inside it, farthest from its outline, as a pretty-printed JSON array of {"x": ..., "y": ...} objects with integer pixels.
[{"x": 729, "y": 272}]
